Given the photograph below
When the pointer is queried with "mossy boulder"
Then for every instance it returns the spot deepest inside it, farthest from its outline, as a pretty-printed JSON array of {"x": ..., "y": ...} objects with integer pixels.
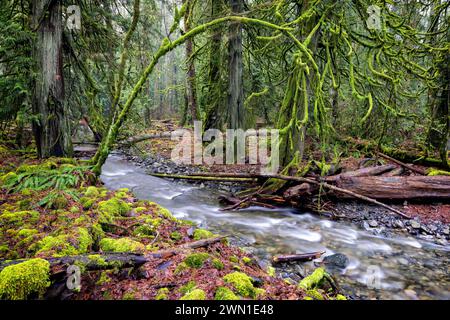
[
  {"x": 113, "y": 208},
  {"x": 196, "y": 260},
  {"x": 200, "y": 234},
  {"x": 312, "y": 280},
  {"x": 121, "y": 245},
  {"x": 196, "y": 294},
  {"x": 18, "y": 281},
  {"x": 243, "y": 284},
  {"x": 223, "y": 293}
]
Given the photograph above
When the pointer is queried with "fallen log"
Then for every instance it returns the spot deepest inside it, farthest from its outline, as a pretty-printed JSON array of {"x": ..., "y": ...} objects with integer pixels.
[
  {"x": 211, "y": 177},
  {"x": 105, "y": 261},
  {"x": 302, "y": 180},
  {"x": 298, "y": 257},
  {"x": 394, "y": 173},
  {"x": 407, "y": 166},
  {"x": 400, "y": 188},
  {"x": 365, "y": 172}
]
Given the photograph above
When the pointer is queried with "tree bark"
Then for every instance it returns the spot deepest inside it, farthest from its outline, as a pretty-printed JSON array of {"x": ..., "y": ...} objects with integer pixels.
[
  {"x": 191, "y": 75},
  {"x": 236, "y": 110},
  {"x": 51, "y": 128}
]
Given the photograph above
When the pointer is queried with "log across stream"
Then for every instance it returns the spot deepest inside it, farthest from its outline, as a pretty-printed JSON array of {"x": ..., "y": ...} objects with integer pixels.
[{"x": 402, "y": 267}]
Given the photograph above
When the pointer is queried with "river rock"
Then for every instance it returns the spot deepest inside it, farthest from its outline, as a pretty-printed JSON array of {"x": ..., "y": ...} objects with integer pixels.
[
  {"x": 336, "y": 261},
  {"x": 446, "y": 231},
  {"x": 373, "y": 223},
  {"x": 415, "y": 225}
]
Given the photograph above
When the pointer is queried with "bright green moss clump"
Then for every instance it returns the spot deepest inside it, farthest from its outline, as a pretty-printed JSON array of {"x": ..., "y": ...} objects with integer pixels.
[
  {"x": 223, "y": 293},
  {"x": 435, "y": 172},
  {"x": 162, "y": 294},
  {"x": 196, "y": 294},
  {"x": 65, "y": 244},
  {"x": 18, "y": 281},
  {"x": 312, "y": 280},
  {"x": 121, "y": 245},
  {"x": 19, "y": 218},
  {"x": 113, "y": 208},
  {"x": 217, "y": 264},
  {"x": 200, "y": 234},
  {"x": 196, "y": 260},
  {"x": 176, "y": 236},
  {"x": 243, "y": 284},
  {"x": 92, "y": 192}
]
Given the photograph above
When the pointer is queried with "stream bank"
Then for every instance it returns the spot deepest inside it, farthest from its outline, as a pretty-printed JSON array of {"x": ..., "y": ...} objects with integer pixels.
[{"x": 404, "y": 266}]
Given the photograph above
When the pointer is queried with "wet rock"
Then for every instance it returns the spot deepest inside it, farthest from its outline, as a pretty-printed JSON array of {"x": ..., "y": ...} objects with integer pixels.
[
  {"x": 336, "y": 261},
  {"x": 403, "y": 261},
  {"x": 399, "y": 224},
  {"x": 446, "y": 231},
  {"x": 415, "y": 225},
  {"x": 411, "y": 294},
  {"x": 373, "y": 223}
]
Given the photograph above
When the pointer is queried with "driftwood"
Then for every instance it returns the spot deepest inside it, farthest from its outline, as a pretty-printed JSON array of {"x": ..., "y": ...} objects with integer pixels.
[
  {"x": 105, "y": 261},
  {"x": 365, "y": 172},
  {"x": 405, "y": 187},
  {"x": 407, "y": 166},
  {"x": 296, "y": 179},
  {"x": 297, "y": 257}
]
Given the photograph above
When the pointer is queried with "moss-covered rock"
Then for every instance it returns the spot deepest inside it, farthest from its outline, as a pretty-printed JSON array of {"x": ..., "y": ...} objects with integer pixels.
[
  {"x": 92, "y": 192},
  {"x": 121, "y": 245},
  {"x": 242, "y": 283},
  {"x": 18, "y": 281},
  {"x": 200, "y": 234},
  {"x": 162, "y": 294},
  {"x": 196, "y": 260},
  {"x": 312, "y": 280},
  {"x": 74, "y": 243},
  {"x": 196, "y": 294},
  {"x": 113, "y": 208},
  {"x": 19, "y": 218},
  {"x": 223, "y": 293}
]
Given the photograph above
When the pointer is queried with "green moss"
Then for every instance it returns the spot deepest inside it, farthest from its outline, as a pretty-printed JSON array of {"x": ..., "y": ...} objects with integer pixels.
[
  {"x": 87, "y": 203},
  {"x": 92, "y": 192},
  {"x": 200, "y": 234},
  {"x": 18, "y": 218},
  {"x": 74, "y": 209},
  {"x": 247, "y": 260},
  {"x": 144, "y": 231},
  {"x": 140, "y": 210},
  {"x": 8, "y": 178},
  {"x": 435, "y": 172},
  {"x": 113, "y": 208},
  {"x": 84, "y": 240},
  {"x": 180, "y": 268},
  {"x": 104, "y": 279},
  {"x": 218, "y": 264},
  {"x": 162, "y": 294},
  {"x": 340, "y": 297},
  {"x": 129, "y": 296},
  {"x": 223, "y": 293},
  {"x": 271, "y": 271},
  {"x": 243, "y": 284},
  {"x": 196, "y": 294},
  {"x": 4, "y": 249},
  {"x": 76, "y": 243},
  {"x": 234, "y": 259},
  {"x": 188, "y": 287},
  {"x": 176, "y": 236},
  {"x": 312, "y": 280},
  {"x": 196, "y": 260},
  {"x": 18, "y": 281},
  {"x": 121, "y": 245},
  {"x": 98, "y": 260},
  {"x": 24, "y": 233},
  {"x": 316, "y": 295}
]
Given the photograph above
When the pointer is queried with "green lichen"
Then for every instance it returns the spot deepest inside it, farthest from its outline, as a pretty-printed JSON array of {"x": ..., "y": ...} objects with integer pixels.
[
  {"x": 243, "y": 284},
  {"x": 312, "y": 280},
  {"x": 200, "y": 234},
  {"x": 196, "y": 294},
  {"x": 196, "y": 260},
  {"x": 121, "y": 245},
  {"x": 18, "y": 281},
  {"x": 218, "y": 264},
  {"x": 223, "y": 293},
  {"x": 162, "y": 294}
]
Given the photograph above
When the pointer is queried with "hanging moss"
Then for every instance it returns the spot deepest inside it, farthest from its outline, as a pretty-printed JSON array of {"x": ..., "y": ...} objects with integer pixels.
[{"x": 18, "y": 281}]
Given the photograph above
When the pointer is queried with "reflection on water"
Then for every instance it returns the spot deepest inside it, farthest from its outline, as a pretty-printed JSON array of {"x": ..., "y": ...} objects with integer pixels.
[{"x": 404, "y": 267}]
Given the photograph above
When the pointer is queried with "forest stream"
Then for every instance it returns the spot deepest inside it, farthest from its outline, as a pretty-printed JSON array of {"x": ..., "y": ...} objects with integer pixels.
[{"x": 398, "y": 267}]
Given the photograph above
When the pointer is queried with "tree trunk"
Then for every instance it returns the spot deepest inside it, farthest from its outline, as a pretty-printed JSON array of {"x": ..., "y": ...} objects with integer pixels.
[
  {"x": 191, "y": 78},
  {"x": 51, "y": 129},
  {"x": 236, "y": 110}
]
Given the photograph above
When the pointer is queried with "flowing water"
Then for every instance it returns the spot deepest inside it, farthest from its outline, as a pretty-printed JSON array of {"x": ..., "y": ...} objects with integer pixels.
[{"x": 399, "y": 267}]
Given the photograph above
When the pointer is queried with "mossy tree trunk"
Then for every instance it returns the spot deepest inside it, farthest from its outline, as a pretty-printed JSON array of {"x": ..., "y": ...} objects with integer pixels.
[
  {"x": 51, "y": 128},
  {"x": 236, "y": 109}
]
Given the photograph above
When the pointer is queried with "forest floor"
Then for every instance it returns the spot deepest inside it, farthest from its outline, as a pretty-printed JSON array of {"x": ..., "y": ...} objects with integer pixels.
[
  {"x": 431, "y": 220},
  {"x": 54, "y": 208}
]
